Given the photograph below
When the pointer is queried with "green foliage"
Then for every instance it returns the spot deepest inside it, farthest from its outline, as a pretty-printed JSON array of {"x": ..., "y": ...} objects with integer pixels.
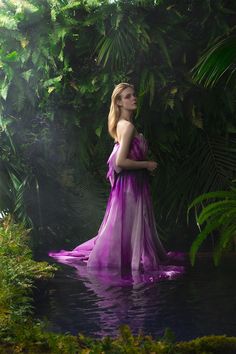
[
  {"x": 59, "y": 62},
  {"x": 207, "y": 344},
  {"x": 118, "y": 47},
  {"x": 13, "y": 177},
  {"x": 207, "y": 166},
  {"x": 17, "y": 273},
  {"x": 216, "y": 62},
  {"x": 217, "y": 216},
  {"x": 35, "y": 340}
]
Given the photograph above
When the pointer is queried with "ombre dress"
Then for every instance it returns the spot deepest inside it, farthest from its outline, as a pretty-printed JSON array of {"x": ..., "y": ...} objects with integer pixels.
[{"x": 127, "y": 237}]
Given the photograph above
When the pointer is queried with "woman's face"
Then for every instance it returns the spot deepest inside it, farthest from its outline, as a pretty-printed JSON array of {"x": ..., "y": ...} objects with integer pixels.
[{"x": 128, "y": 100}]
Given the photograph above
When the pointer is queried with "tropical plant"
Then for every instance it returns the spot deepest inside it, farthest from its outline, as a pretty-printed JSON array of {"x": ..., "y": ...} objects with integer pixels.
[
  {"x": 218, "y": 61},
  {"x": 18, "y": 271},
  {"x": 208, "y": 165},
  {"x": 218, "y": 215},
  {"x": 13, "y": 179}
]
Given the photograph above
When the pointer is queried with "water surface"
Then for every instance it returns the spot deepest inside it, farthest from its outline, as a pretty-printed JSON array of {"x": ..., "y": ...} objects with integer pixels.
[{"x": 200, "y": 302}]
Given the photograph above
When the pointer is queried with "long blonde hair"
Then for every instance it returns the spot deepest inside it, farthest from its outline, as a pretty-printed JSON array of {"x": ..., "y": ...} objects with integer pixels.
[{"x": 114, "y": 113}]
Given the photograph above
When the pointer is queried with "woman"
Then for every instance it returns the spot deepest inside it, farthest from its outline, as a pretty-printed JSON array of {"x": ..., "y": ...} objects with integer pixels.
[{"x": 127, "y": 237}]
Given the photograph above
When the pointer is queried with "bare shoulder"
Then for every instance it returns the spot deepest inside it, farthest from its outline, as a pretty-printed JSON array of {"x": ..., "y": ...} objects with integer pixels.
[
  {"x": 126, "y": 128},
  {"x": 123, "y": 125}
]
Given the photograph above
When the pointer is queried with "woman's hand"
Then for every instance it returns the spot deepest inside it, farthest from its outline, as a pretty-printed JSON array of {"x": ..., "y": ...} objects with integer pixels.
[{"x": 151, "y": 165}]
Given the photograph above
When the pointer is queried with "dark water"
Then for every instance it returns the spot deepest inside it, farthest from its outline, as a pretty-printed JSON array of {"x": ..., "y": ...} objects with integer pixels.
[{"x": 201, "y": 302}]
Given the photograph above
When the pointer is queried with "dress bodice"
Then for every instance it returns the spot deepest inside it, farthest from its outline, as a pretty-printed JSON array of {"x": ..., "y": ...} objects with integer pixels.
[
  {"x": 138, "y": 148},
  {"x": 138, "y": 151}
]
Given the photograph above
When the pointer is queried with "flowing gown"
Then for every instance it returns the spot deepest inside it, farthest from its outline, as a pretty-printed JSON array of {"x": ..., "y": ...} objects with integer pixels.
[{"x": 127, "y": 237}]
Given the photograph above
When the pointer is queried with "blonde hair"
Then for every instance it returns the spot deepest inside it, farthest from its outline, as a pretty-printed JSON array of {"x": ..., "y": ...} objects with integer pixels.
[{"x": 114, "y": 113}]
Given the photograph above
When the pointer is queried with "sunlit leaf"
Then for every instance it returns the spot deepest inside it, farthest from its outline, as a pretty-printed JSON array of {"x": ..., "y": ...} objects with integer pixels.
[
  {"x": 8, "y": 22},
  {"x": 52, "y": 81},
  {"x": 27, "y": 74}
]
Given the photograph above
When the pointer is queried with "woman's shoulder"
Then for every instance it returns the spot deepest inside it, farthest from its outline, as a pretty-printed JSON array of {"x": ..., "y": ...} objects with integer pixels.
[{"x": 125, "y": 126}]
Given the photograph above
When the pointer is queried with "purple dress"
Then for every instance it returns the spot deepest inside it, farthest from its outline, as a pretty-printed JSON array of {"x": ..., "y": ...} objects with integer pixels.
[{"x": 127, "y": 237}]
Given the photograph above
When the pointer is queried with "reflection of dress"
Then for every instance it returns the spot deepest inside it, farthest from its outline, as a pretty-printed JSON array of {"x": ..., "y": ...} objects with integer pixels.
[{"x": 127, "y": 237}]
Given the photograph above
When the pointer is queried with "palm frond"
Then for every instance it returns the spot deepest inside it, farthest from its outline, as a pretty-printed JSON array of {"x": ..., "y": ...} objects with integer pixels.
[
  {"x": 209, "y": 165},
  {"x": 114, "y": 49},
  {"x": 146, "y": 88},
  {"x": 119, "y": 46},
  {"x": 18, "y": 190},
  {"x": 201, "y": 237},
  {"x": 164, "y": 49},
  {"x": 215, "y": 62},
  {"x": 218, "y": 216},
  {"x": 5, "y": 194}
]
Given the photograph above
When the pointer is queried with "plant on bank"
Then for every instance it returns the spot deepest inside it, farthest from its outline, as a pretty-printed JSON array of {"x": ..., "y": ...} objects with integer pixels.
[
  {"x": 218, "y": 209},
  {"x": 219, "y": 216},
  {"x": 18, "y": 272}
]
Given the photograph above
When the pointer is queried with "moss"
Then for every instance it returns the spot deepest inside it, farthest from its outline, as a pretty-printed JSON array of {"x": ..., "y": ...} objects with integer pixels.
[
  {"x": 208, "y": 344},
  {"x": 33, "y": 339}
]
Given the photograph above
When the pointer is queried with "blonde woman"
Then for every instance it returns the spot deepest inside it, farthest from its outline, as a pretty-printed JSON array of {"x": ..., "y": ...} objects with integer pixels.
[{"x": 127, "y": 237}]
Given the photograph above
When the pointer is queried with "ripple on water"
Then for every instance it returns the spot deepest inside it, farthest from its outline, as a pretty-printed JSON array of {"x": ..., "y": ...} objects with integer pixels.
[{"x": 201, "y": 302}]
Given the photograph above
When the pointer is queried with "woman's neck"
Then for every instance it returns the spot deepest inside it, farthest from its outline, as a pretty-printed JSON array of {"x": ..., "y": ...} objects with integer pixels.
[{"x": 126, "y": 116}]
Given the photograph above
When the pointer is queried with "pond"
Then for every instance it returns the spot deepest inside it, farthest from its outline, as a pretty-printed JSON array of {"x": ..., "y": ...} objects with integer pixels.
[{"x": 200, "y": 302}]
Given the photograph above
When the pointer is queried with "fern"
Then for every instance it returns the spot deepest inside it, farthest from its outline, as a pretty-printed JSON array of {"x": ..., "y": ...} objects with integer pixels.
[
  {"x": 216, "y": 61},
  {"x": 218, "y": 216}
]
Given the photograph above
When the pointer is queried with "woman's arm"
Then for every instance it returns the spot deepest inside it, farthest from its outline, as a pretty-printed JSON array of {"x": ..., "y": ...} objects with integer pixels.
[{"x": 126, "y": 132}]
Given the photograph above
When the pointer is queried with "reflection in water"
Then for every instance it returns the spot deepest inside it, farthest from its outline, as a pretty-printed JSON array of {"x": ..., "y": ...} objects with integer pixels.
[
  {"x": 117, "y": 306},
  {"x": 114, "y": 277},
  {"x": 97, "y": 303}
]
